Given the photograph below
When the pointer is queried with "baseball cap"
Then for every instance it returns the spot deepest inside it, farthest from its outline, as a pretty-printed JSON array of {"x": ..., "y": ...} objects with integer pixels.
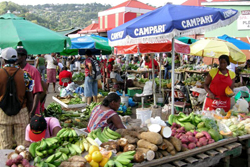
[
  {"x": 9, "y": 54},
  {"x": 38, "y": 126},
  {"x": 22, "y": 51}
]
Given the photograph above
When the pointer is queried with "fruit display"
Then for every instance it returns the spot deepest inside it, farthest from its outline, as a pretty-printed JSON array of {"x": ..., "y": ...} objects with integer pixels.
[
  {"x": 190, "y": 67},
  {"x": 105, "y": 135},
  {"x": 19, "y": 158},
  {"x": 123, "y": 159},
  {"x": 78, "y": 77},
  {"x": 194, "y": 79}
]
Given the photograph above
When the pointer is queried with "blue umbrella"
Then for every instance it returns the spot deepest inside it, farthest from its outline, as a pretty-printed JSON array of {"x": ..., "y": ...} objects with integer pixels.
[
  {"x": 238, "y": 43},
  {"x": 93, "y": 42},
  {"x": 168, "y": 22}
]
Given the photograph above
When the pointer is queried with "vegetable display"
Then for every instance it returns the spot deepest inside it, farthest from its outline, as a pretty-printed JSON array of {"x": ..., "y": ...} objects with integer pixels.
[{"x": 78, "y": 77}]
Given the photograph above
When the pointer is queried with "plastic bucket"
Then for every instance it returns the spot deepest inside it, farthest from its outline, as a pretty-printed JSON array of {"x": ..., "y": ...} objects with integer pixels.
[
  {"x": 143, "y": 115},
  {"x": 124, "y": 100}
]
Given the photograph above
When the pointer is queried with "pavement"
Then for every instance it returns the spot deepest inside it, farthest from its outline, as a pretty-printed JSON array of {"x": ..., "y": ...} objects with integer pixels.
[{"x": 51, "y": 93}]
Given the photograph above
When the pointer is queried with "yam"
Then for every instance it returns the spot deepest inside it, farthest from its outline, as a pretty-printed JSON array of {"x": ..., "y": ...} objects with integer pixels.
[
  {"x": 163, "y": 146},
  {"x": 170, "y": 145},
  {"x": 166, "y": 131},
  {"x": 184, "y": 148},
  {"x": 122, "y": 142},
  {"x": 139, "y": 157},
  {"x": 130, "y": 139},
  {"x": 152, "y": 137},
  {"x": 164, "y": 153},
  {"x": 129, "y": 147},
  {"x": 154, "y": 128},
  {"x": 157, "y": 155},
  {"x": 176, "y": 143},
  {"x": 72, "y": 164},
  {"x": 145, "y": 144},
  {"x": 77, "y": 158},
  {"x": 173, "y": 152},
  {"x": 148, "y": 154}
]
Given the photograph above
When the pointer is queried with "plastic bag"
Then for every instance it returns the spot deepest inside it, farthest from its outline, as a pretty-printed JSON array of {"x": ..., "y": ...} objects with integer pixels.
[
  {"x": 242, "y": 94},
  {"x": 72, "y": 87},
  {"x": 64, "y": 92}
]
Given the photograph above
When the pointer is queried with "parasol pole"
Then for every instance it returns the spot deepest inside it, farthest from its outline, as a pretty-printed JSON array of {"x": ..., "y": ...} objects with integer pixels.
[
  {"x": 153, "y": 78},
  {"x": 160, "y": 57},
  {"x": 172, "y": 77}
]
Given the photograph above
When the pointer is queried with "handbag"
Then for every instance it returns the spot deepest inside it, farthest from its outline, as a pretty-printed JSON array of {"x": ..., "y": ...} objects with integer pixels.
[{"x": 55, "y": 62}]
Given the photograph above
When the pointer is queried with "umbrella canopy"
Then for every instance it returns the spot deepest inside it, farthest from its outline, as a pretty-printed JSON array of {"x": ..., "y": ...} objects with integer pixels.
[
  {"x": 215, "y": 48},
  {"x": 16, "y": 31},
  {"x": 152, "y": 48},
  {"x": 167, "y": 22},
  {"x": 93, "y": 42},
  {"x": 187, "y": 40},
  {"x": 240, "y": 44}
]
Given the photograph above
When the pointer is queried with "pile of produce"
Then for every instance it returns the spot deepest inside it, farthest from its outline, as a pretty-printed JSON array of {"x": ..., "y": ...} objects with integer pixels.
[
  {"x": 53, "y": 110},
  {"x": 165, "y": 83},
  {"x": 19, "y": 158},
  {"x": 105, "y": 135},
  {"x": 75, "y": 100},
  {"x": 132, "y": 67},
  {"x": 245, "y": 71},
  {"x": 78, "y": 77},
  {"x": 103, "y": 93},
  {"x": 64, "y": 147},
  {"x": 143, "y": 80},
  {"x": 193, "y": 79},
  {"x": 195, "y": 123}
]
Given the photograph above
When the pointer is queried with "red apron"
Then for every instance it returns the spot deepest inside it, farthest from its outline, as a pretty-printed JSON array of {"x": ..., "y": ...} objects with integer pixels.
[{"x": 217, "y": 87}]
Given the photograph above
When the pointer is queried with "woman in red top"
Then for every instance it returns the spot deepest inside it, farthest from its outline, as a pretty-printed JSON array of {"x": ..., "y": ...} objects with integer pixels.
[
  {"x": 216, "y": 83},
  {"x": 110, "y": 67},
  {"x": 65, "y": 74},
  {"x": 148, "y": 63}
]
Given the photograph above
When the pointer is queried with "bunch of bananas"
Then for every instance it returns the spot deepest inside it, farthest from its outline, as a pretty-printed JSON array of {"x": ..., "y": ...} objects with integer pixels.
[
  {"x": 85, "y": 143},
  {"x": 68, "y": 134},
  {"x": 104, "y": 135},
  {"x": 124, "y": 159}
]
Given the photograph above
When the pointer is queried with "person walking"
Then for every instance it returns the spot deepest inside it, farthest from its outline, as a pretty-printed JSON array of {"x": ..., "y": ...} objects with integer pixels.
[
  {"x": 51, "y": 70},
  {"x": 12, "y": 120},
  {"x": 35, "y": 75},
  {"x": 40, "y": 65},
  {"x": 90, "y": 84}
]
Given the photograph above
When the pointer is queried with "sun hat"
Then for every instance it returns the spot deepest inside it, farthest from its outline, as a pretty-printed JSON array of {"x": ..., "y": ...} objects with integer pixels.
[
  {"x": 38, "y": 127},
  {"x": 9, "y": 54}
]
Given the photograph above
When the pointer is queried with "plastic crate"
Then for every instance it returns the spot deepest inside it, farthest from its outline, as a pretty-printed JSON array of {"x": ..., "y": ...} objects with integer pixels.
[{"x": 134, "y": 90}]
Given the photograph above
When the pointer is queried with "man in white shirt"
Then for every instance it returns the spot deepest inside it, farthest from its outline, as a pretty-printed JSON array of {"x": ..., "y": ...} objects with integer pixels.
[
  {"x": 51, "y": 70},
  {"x": 232, "y": 67}
]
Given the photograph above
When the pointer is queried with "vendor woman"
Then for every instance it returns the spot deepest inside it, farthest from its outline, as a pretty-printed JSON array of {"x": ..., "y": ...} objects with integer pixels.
[
  {"x": 105, "y": 114},
  {"x": 215, "y": 84}
]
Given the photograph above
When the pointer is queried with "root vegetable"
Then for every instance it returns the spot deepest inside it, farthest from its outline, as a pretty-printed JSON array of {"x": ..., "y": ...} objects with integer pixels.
[
  {"x": 164, "y": 153},
  {"x": 195, "y": 132},
  {"x": 176, "y": 143},
  {"x": 203, "y": 141},
  {"x": 180, "y": 130},
  {"x": 18, "y": 159},
  {"x": 25, "y": 162},
  {"x": 198, "y": 144},
  {"x": 191, "y": 139},
  {"x": 72, "y": 164},
  {"x": 199, "y": 135},
  {"x": 189, "y": 133},
  {"x": 139, "y": 157},
  {"x": 122, "y": 142},
  {"x": 179, "y": 135},
  {"x": 124, "y": 132},
  {"x": 9, "y": 162},
  {"x": 206, "y": 134},
  {"x": 77, "y": 158},
  {"x": 174, "y": 125},
  {"x": 130, "y": 139},
  {"x": 12, "y": 155},
  {"x": 152, "y": 137},
  {"x": 154, "y": 128},
  {"x": 148, "y": 154},
  {"x": 129, "y": 147},
  {"x": 170, "y": 145},
  {"x": 191, "y": 146},
  {"x": 210, "y": 141},
  {"x": 163, "y": 146},
  {"x": 20, "y": 165},
  {"x": 13, "y": 165},
  {"x": 158, "y": 155},
  {"x": 184, "y": 147},
  {"x": 166, "y": 131},
  {"x": 20, "y": 149},
  {"x": 145, "y": 144},
  {"x": 173, "y": 152},
  {"x": 184, "y": 140},
  {"x": 26, "y": 155}
]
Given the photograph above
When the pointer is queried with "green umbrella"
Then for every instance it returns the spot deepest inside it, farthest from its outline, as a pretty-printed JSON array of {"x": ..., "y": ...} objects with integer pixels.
[
  {"x": 16, "y": 31},
  {"x": 68, "y": 52}
]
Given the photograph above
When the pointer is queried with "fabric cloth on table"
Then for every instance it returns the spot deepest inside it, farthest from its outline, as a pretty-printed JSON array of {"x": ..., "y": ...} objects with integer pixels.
[
  {"x": 51, "y": 75},
  {"x": 17, "y": 123},
  {"x": 99, "y": 118}
]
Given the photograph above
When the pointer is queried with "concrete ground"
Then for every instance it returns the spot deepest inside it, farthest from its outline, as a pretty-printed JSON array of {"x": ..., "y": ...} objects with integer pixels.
[{"x": 51, "y": 93}]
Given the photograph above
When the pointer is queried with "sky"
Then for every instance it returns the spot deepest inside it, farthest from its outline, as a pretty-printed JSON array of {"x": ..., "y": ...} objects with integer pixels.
[{"x": 156, "y": 3}]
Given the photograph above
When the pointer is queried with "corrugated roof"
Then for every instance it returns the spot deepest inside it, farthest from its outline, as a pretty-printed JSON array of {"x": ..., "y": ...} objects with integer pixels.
[
  {"x": 91, "y": 27},
  {"x": 68, "y": 31},
  {"x": 133, "y": 4}
]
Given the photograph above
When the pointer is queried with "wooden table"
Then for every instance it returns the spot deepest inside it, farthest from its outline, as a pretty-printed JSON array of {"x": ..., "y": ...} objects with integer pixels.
[
  {"x": 200, "y": 157},
  {"x": 245, "y": 141},
  {"x": 188, "y": 73}
]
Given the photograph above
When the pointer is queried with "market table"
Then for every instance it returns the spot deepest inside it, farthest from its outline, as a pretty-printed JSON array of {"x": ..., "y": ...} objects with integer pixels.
[
  {"x": 245, "y": 141},
  {"x": 140, "y": 72},
  {"x": 243, "y": 75},
  {"x": 200, "y": 157},
  {"x": 189, "y": 72}
]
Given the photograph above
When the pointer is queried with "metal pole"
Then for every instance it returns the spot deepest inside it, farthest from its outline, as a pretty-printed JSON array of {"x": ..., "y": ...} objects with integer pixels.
[
  {"x": 153, "y": 78},
  {"x": 160, "y": 57},
  {"x": 172, "y": 77}
]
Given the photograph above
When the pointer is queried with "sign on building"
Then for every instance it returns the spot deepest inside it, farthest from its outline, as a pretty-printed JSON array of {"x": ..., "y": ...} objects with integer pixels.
[{"x": 243, "y": 22}]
